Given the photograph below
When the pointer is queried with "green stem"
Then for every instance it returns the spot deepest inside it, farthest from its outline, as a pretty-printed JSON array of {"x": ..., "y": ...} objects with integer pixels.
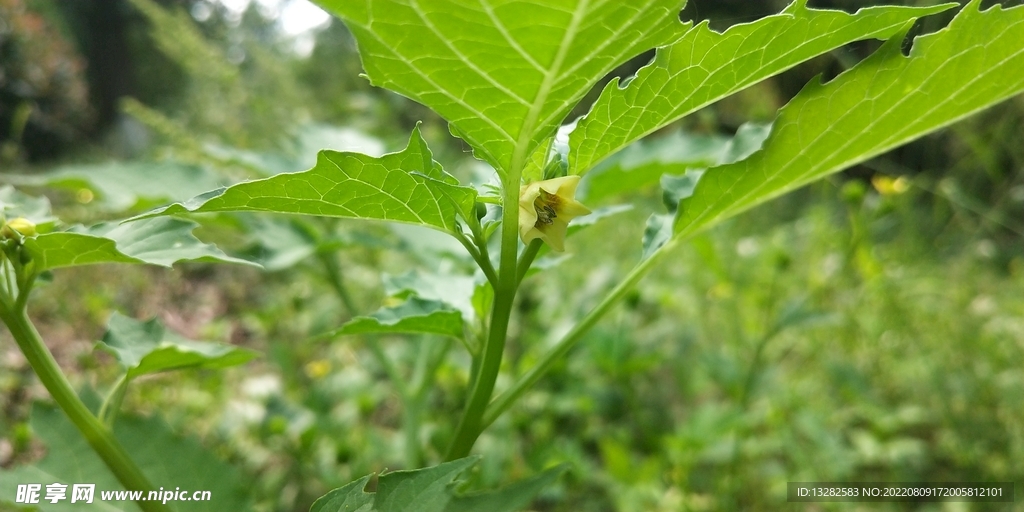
[
  {"x": 428, "y": 358},
  {"x": 529, "y": 254},
  {"x": 11, "y": 292},
  {"x": 112, "y": 404},
  {"x": 412, "y": 416},
  {"x": 98, "y": 436},
  {"x": 427, "y": 363},
  {"x": 482, "y": 382},
  {"x": 481, "y": 241},
  {"x": 506, "y": 399},
  {"x": 392, "y": 372},
  {"x": 330, "y": 263},
  {"x": 480, "y": 256}
]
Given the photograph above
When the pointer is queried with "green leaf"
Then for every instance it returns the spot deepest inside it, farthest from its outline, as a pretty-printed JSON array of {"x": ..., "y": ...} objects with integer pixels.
[
  {"x": 160, "y": 241},
  {"x": 462, "y": 198},
  {"x": 146, "y": 347},
  {"x": 483, "y": 298},
  {"x": 657, "y": 233},
  {"x": 504, "y": 73},
  {"x": 168, "y": 461},
  {"x": 428, "y": 246},
  {"x": 596, "y": 216},
  {"x": 705, "y": 66},
  {"x": 430, "y": 490},
  {"x": 280, "y": 243},
  {"x": 643, "y": 163},
  {"x": 69, "y": 460},
  {"x": 14, "y": 204},
  {"x": 350, "y": 185},
  {"x": 885, "y": 101},
  {"x": 414, "y": 316},
  {"x": 119, "y": 186},
  {"x": 456, "y": 291},
  {"x": 675, "y": 188}
]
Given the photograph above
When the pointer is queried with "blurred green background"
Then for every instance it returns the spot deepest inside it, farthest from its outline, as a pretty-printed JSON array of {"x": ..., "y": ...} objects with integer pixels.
[{"x": 869, "y": 327}]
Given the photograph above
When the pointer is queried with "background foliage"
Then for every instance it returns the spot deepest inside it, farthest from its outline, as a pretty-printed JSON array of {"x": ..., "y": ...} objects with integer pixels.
[{"x": 867, "y": 327}]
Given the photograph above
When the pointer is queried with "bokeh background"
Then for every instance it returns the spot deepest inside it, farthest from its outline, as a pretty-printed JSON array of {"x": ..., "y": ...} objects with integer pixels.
[{"x": 869, "y": 327}]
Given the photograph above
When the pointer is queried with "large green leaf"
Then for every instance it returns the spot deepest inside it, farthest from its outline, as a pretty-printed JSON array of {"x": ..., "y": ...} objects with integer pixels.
[
  {"x": 168, "y": 461},
  {"x": 414, "y": 316},
  {"x": 160, "y": 241},
  {"x": 705, "y": 66},
  {"x": 400, "y": 187},
  {"x": 885, "y": 101},
  {"x": 431, "y": 490},
  {"x": 147, "y": 347},
  {"x": 504, "y": 73}
]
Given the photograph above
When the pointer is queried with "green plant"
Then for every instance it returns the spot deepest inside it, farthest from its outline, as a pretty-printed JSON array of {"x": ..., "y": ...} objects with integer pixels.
[{"x": 506, "y": 75}]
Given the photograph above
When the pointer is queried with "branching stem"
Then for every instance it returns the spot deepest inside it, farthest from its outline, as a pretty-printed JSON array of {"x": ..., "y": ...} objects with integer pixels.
[
  {"x": 559, "y": 351},
  {"x": 99, "y": 437}
]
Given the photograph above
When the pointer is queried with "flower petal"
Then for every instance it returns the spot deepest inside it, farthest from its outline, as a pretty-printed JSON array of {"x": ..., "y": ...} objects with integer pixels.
[{"x": 558, "y": 198}]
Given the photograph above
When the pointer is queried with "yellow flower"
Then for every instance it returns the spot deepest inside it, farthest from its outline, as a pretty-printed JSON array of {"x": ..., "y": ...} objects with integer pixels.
[
  {"x": 888, "y": 186},
  {"x": 545, "y": 209},
  {"x": 318, "y": 368},
  {"x": 18, "y": 228}
]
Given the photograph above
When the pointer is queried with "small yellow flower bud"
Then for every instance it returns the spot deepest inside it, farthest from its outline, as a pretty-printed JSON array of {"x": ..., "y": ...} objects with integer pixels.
[
  {"x": 18, "y": 228},
  {"x": 545, "y": 209}
]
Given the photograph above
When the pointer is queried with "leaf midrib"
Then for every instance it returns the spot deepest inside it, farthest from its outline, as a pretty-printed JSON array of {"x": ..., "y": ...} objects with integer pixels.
[{"x": 530, "y": 122}]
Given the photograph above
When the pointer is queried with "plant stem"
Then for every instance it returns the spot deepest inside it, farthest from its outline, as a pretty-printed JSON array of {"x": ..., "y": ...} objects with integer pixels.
[
  {"x": 112, "y": 404},
  {"x": 392, "y": 372},
  {"x": 330, "y": 263},
  {"x": 100, "y": 438},
  {"x": 479, "y": 256},
  {"x": 482, "y": 382},
  {"x": 428, "y": 357},
  {"x": 506, "y": 399},
  {"x": 412, "y": 416},
  {"x": 337, "y": 282},
  {"x": 529, "y": 254}
]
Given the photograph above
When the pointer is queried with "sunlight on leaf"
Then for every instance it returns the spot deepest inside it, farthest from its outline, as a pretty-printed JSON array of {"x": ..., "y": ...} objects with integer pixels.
[
  {"x": 503, "y": 73},
  {"x": 161, "y": 241},
  {"x": 349, "y": 185},
  {"x": 414, "y": 316},
  {"x": 705, "y": 66},
  {"x": 885, "y": 101}
]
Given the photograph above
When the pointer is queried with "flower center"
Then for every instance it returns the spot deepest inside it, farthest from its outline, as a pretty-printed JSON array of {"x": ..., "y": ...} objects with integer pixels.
[{"x": 545, "y": 205}]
